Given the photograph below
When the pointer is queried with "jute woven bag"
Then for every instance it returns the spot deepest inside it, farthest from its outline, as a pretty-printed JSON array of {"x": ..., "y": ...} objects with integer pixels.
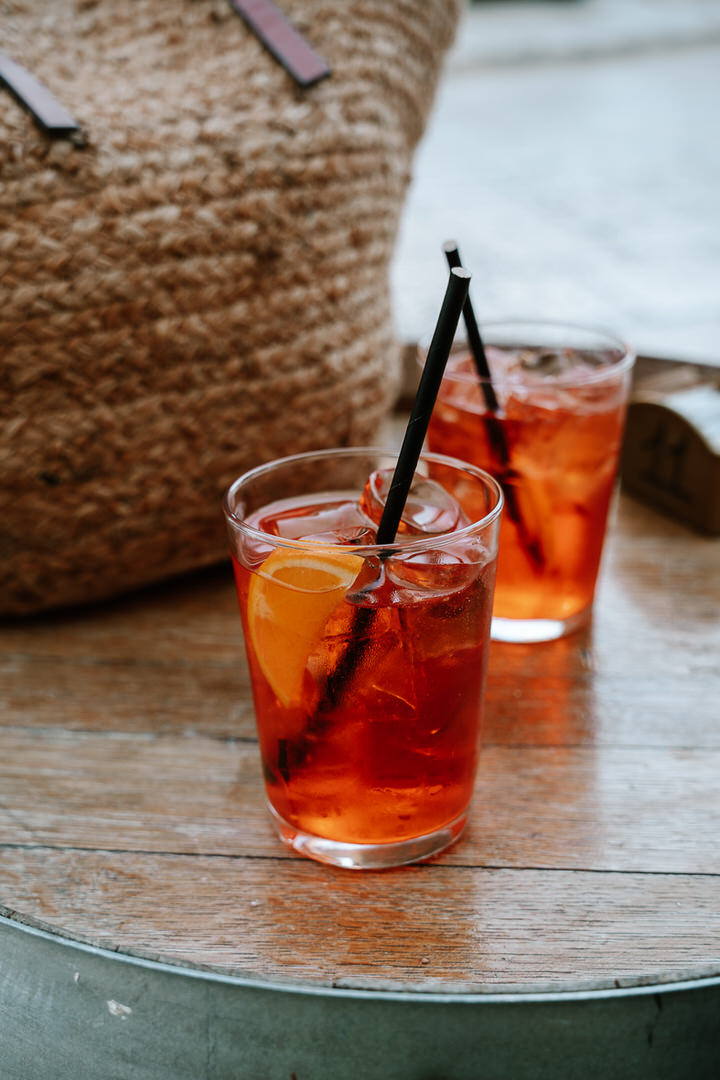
[{"x": 204, "y": 286}]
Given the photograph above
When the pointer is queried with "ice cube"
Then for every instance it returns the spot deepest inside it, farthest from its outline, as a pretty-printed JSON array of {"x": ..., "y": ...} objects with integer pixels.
[
  {"x": 363, "y": 534},
  {"x": 554, "y": 362},
  {"x": 333, "y": 522},
  {"x": 545, "y": 361},
  {"x": 438, "y": 572},
  {"x": 429, "y": 509}
]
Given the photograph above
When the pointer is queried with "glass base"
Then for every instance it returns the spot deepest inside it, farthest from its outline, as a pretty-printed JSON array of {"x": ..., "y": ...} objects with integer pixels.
[
  {"x": 527, "y": 631},
  {"x": 368, "y": 856}
]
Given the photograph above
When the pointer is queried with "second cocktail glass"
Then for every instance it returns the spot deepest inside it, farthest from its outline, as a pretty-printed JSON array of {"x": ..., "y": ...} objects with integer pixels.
[{"x": 553, "y": 442}]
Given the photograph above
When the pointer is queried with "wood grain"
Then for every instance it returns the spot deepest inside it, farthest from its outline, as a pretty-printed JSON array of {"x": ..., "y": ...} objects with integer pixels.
[
  {"x": 132, "y": 813},
  {"x": 555, "y": 807},
  {"x": 429, "y": 928}
]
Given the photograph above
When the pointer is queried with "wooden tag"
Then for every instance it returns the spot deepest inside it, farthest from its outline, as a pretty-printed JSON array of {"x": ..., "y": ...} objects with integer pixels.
[{"x": 671, "y": 449}]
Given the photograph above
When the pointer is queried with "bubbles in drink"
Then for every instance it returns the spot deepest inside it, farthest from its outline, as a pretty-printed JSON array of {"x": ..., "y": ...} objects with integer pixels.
[{"x": 429, "y": 509}]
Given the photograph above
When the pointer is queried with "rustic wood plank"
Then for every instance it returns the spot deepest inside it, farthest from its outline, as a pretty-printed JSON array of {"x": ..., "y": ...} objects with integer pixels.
[
  {"x": 142, "y": 697},
  {"x": 544, "y": 695},
  {"x": 623, "y": 808},
  {"x": 554, "y": 698},
  {"x": 132, "y": 812},
  {"x": 192, "y": 619},
  {"x": 458, "y": 929},
  {"x": 171, "y": 658}
]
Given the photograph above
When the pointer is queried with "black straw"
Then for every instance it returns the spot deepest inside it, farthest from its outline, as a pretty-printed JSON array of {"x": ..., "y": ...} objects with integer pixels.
[
  {"x": 433, "y": 371},
  {"x": 495, "y": 430},
  {"x": 475, "y": 340}
]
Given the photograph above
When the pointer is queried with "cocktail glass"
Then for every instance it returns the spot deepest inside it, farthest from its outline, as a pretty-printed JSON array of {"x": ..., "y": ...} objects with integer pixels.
[
  {"x": 367, "y": 662},
  {"x": 553, "y": 442}
]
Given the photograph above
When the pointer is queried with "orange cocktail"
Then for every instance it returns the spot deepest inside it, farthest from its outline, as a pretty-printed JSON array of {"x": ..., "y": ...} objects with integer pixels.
[
  {"x": 553, "y": 443},
  {"x": 367, "y": 663}
]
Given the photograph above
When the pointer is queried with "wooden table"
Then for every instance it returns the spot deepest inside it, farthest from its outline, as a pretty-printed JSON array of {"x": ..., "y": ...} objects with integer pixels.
[{"x": 153, "y": 926}]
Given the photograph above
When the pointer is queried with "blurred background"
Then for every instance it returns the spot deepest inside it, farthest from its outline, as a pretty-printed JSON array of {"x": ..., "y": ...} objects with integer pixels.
[{"x": 574, "y": 154}]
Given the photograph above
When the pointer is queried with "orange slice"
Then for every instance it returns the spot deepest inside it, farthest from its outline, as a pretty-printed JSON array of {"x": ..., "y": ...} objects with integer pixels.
[{"x": 291, "y": 598}]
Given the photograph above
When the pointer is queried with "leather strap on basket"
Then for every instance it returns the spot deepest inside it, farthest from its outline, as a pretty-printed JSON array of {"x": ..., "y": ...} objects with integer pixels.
[
  {"x": 280, "y": 38},
  {"x": 50, "y": 116},
  {"x": 263, "y": 17}
]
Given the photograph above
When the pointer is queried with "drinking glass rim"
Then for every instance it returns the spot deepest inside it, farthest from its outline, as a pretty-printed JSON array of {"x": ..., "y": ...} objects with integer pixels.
[
  {"x": 574, "y": 378},
  {"x": 364, "y": 550}
]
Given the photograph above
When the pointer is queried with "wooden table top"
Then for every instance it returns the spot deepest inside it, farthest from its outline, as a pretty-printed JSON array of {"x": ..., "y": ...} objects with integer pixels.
[{"x": 132, "y": 813}]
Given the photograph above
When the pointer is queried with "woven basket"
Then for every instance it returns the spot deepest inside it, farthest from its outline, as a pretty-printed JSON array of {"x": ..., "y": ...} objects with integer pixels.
[{"x": 204, "y": 286}]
